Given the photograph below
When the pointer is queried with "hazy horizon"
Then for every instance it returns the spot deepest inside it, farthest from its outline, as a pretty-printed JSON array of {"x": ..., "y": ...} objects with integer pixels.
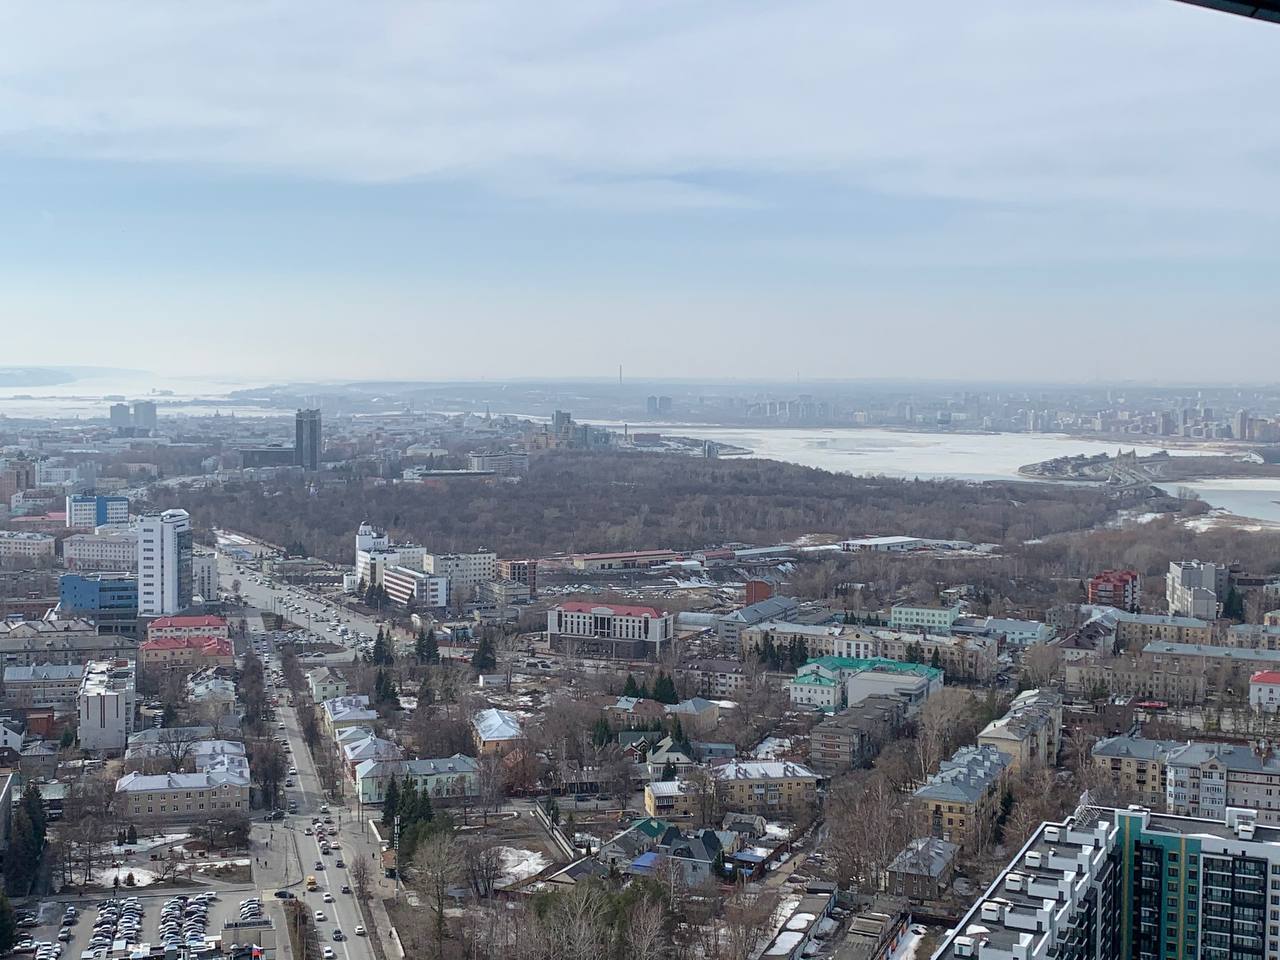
[{"x": 1070, "y": 192}]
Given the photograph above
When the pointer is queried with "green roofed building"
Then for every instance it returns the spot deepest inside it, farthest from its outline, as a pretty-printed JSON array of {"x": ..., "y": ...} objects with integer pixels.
[{"x": 832, "y": 683}]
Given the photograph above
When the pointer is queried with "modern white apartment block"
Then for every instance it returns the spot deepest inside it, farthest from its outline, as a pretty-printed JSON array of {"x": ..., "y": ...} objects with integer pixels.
[
  {"x": 164, "y": 563},
  {"x": 106, "y": 704},
  {"x": 904, "y": 616},
  {"x": 204, "y": 576},
  {"x": 1193, "y": 588},
  {"x": 403, "y": 583},
  {"x": 110, "y": 550},
  {"x": 466, "y": 571},
  {"x": 87, "y": 510}
]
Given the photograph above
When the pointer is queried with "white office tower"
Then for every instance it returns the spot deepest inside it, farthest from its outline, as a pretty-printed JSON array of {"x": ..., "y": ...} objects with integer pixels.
[
  {"x": 368, "y": 538},
  {"x": 164, "y": 563},
  {"x": 204, "y": 576}
]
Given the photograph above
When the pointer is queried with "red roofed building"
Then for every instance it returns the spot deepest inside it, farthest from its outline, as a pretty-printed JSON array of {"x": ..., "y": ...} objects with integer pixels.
[
  {"x": 609, "y": 630},
  {"x": 185, "y": 653},
  {"x": 1264, "y": 691},
  {"x": 164, "y": 628},
  {"x": 1121, "y": 589}
]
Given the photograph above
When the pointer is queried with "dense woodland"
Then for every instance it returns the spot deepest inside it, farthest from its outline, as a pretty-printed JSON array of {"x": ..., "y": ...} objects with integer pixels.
[{"x": 573, "y": 502}]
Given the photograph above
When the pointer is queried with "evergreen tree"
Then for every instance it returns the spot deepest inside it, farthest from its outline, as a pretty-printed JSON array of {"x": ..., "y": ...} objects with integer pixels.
[
  {"x": 484, "y": 658},
  {"x": 936, "y": 660},
  {"x": 602, "y": 734},
  {"x": 420, "y": 647},
  {"x": 132, "y": 835},
  {"x": 631, "y": 688},
  {"x": 664, "y": 689},
  {"x": 432, "y": 648},
  {"x": 23, "y": 854},
  {"x": 392, "y": 803},
  {"x": 379, "y": 648},
  {"x": 425, "y": 813},
  {"x": 677, "y": 730},
  {"x": 68, "y": 738},
  {"x": 668, "y": 771},
  {"x": 33, "y": 804},
  {"x": 426, "y": 695},
  {"x": 408, "y": 806},
  {"x": 8, "y": 925}
]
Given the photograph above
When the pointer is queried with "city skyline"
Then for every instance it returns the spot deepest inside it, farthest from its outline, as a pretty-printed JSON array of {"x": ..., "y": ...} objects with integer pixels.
[{"x": 913, "y": 193}]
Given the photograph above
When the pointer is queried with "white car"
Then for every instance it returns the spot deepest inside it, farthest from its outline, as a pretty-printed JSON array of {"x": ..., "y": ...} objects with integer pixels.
[
  {"x": 359, "y": 929},
  {"x": 327, "y": 898},
  {"x": 327, "y": 953},
  {"x": 320, "y": 918}
]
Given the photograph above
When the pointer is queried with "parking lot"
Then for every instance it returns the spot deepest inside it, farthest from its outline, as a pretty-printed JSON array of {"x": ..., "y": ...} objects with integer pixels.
[{"x": 226, "y": 907}]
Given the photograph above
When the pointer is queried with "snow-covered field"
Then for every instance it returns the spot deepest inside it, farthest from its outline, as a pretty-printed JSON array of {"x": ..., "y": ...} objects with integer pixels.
[
  {"x": 106, "y": 876},
  {"x": 771, "y": 748},
  {"x": 517, "y": 864},
  {"x": 147, "y": 843}
]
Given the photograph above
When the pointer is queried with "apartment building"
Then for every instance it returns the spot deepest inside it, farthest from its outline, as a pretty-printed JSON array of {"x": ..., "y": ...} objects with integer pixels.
[
  {"x": 1194, "y": 588},
  {"x": 323, "y": 684},
  {"x": 496, "y": 731},
  {"x": 1252, "y": 636},
  {"x": 1109, "y": 884},
  {"x": 770, "y": 788},
  {"x": 44, "y": 686},
  {"x": 19, "y": 547},
  {"x": 720, "y": 679},
  {"x": 1204, "y": 779},
  {"x": 1135, "y": 768},
  {"x": 519, "y": 571},
  {"x": 1121, "y": 589},
  {"x": 960, "y": 657},
  {"x": 506, "y": 464},
  {"x": 610, "y": 630},
  {"x": 820, "y": 640},
  {"x": 1136, "y": 630},
  {"x": 28, "y": 642},
  {"x": 1143, "y": 677},
  {"x": 169, "y": 628},
  {"x": 1217, "y": 663},
  {"x": 184, "y": 654},
  {"x": 87, "y": 510},
  {"x": 106, "y": 706},
  {"x": 671, "y": 799},
  {"x": 854, "y": 736},
  {"x": 961, "y": 800},
  {"x": 181, "y": 797},
  {"x": 165, "y": 545},
  {"x": 108, "y": 550},
  {"x": 1030, "y": 732},
  {"x": 346, "y": 711},
  {"x": 465, "y": 571}
]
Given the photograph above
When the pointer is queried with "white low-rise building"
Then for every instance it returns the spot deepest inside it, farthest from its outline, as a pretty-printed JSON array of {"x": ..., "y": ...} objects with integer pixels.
[
  {"x": 28, "y": 547},
  {"x": 1264, "y": 691},
  {"x": 451, "y": 779},
  {"x": 107, "y": 550}
]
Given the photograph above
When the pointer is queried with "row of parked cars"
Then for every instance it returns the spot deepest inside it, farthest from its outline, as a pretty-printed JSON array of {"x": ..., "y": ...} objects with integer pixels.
[{"x": 183, "y": 920}]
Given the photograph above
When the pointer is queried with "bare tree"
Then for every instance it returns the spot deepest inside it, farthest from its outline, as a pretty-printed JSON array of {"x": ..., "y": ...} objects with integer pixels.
[
  {"x": 437, "y": 866},
  {"x": 646, "y": 931},
  {"x": 360, "y": 874},
  {"x": 483, "y": 866},
  {"x": 490, "y": 780}
]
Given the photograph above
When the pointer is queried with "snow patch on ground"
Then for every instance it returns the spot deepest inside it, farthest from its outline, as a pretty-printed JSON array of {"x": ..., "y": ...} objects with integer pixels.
[
  {"x": 106, "y": 876},
  {"x": 776, "y": 831},
  {"x": 907, "y": 946},
  {"x": 147, "y": 843},
  {"x": 517, "y": 864}
]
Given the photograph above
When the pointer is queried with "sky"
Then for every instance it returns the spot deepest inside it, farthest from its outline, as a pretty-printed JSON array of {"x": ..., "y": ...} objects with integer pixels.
[{"x": 1056, "y": 189}]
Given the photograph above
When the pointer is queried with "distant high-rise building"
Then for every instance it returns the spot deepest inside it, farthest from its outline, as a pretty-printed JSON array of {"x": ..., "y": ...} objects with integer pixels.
[
  {"x": 1240, "y": 429},
  {"x": 651, "y": 405},
  {"x": 306, "y": 444},
  {"x": 164, "y": 563},
  {"x": 144, "y": 414},
  {"x": 120, "y": 415}
]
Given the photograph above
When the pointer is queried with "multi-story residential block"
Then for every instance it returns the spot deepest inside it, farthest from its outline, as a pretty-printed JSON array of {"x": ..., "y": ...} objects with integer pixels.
[
  {"x": 1030, "y": 732},
  {"x": 854, "y": 736},
  {"x": 1121, "y": 589},
  {"x": 923, "y": 870},
  {"x": 1110, "y": 884},
  {"x": 1144, "y": 677},
  {"x": 720, "y": 679},
  {"x": 87, "y": 510},
  {"x": 819, "y": 640},
  {"x": 1219, "y": 665},
  {"x": 1135, "y": 630},
  {"x": 45, "y": 686},
  {"x": 179, "y": 628},
  {"x": 610, "y": 630},
  {"x": 519, "y": 571},
  {"x": 1194, "y": 588},
  {"x": 1135, "y": 768},
  {"x": 356, "y": 752},
  {"x": 961, "y": 800},
  {"x": 1252, "y": 636},
  {"x": 164, "y": 563},
  {"x": 1009, "y": 631},
  {"x": 181, "y": 797},
  {"x": 508, "y": 464},
  {"x": 307, "y": 443},
  {"x": 107, "y": 703},
  {"x": 449, "y": 780},
  {"x": 671, "y": 799},
  {"x": 27, "y": 642},
  {"x": 346, "y": 711},
  {"x": 426, "y": 590},
  {"x": 465, "y": 571},
  {"x": 204, "y": 576},
  {"x": 110, "y": 600},
  {"x": 1204, "y": 779},
  {"x": 924, "y": 618},
  {"x": 771, "y": 788},
  {"x": 106, "y": 550},
  {"x": 323, "y": 684},
  {"x": 19, "y": 547},
  {"x": 960, "y": 657},
  {"x": 184, "y": 654}
]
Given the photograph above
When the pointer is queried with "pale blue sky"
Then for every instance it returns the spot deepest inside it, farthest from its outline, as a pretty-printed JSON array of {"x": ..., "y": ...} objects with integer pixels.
[{"x": 1064, "y": 189}]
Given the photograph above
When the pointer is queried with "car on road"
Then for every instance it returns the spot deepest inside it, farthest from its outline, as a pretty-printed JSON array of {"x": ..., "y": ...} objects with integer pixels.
[
  {"x": 320, "y": 917},
  {"x": 328, "y": 897},
  {"x": 288, "y": 781},
  {"x": 359, "y": 929},
  {"x": 328, "y": 953},
  {"x": 338, "y": 934},
  {"x": 319, "y": 864},
  {"x": 346, "y": 888},
  {"x": 285, "y": 895},
  {"x": 340, "y": 863}
]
